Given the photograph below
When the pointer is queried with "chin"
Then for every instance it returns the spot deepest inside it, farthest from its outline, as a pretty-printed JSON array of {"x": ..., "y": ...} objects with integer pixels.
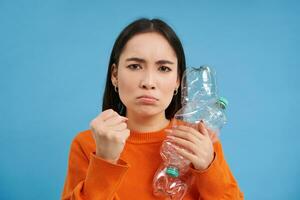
[{"x": 148, "y": 112}]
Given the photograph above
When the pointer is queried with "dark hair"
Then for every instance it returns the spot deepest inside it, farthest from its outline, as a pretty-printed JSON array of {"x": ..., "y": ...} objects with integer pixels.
[{"x": 111, "y": 99}]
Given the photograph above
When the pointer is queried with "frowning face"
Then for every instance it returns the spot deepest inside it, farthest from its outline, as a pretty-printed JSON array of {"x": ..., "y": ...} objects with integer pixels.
[{"x": 146, "y": 75}]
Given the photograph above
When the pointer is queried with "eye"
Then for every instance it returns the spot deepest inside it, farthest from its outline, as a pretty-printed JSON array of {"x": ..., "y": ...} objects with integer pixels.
[
  {"x": 134, "y": 66},
  {"x": 164, "y": 69}
]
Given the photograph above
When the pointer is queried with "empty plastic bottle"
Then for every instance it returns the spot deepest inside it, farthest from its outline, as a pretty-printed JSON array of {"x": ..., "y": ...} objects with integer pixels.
[
  {"x": 213, "y": 114},
  {"x": 199, "y": 102}
]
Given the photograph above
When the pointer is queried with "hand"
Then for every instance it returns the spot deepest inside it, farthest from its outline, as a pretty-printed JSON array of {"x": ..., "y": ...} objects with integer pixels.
[
  {"x": 110, "y": 133},
  {"x": 196, "y": 145}
]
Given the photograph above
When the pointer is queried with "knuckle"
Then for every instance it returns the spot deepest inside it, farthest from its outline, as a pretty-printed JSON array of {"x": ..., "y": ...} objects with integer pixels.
[
  {"x": 123, "y": 125},
  {"x": 190, "y": 129},
  {"x": 92, "y": 123},
  {"x": 189, "y": 137},
  {"x": 108, "y": 111},
  {"x": 113, "y": 112}
]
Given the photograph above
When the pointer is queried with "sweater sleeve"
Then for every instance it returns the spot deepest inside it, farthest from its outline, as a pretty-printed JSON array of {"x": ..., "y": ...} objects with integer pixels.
[
  {"x": 90, "y": 177},
  {"x": 217, "y": 182}
]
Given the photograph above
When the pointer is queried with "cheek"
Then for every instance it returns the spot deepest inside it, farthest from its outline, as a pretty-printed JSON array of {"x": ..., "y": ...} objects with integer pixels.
[
  {"x": 167, "y": 90},
  {"x": 168, "y": 85},
  {"x": 126, "y": 87},
  {"x": 125, "y": 80}
]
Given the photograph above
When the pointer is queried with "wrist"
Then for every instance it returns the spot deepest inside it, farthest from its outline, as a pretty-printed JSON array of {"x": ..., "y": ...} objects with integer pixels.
[
  {"x": 108, "y": 159},
  {"x": 209, "y": 164}
]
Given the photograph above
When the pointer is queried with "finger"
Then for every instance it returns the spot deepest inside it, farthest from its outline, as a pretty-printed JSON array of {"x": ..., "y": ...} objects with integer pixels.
[
  {"x": 202, "y": 128},
  {"x": 214, "y": 137},
  {"x": 124, "y": 134},
  {"x": 185, "y": 135},
  {"x": 184, "y": 153},
  {"x": 105, "y": 115},
  {"x": 119, "y": 127},
  {"x": 185, "y": 144},
  {"x": 196, "y": 160},
  {"x": 114, "y": 120},
  {"x": 190, "y": 130},
  {"x": 117, "y": 136}
]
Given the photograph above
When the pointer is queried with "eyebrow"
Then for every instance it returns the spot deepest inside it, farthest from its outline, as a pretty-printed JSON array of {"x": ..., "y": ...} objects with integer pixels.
[{"x": 140, "y": 60}]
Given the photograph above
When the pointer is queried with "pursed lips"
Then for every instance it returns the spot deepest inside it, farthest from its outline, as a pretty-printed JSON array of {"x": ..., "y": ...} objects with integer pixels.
[{"x": 147, "y": 97}]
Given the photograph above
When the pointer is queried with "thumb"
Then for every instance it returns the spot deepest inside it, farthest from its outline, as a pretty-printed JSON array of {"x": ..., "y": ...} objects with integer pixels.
[
  {"x": 202, "y": 128},
  {"x": 124, "y": 119}
]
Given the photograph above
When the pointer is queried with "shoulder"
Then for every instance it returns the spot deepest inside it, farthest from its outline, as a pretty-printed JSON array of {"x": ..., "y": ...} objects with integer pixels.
[
  {"x": 84, "y": 140},
  {"x": 85, "y": 135}
]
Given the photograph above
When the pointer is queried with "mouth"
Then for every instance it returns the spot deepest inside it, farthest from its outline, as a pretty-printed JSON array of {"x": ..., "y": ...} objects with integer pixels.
[{"x": 146, "y": 99}]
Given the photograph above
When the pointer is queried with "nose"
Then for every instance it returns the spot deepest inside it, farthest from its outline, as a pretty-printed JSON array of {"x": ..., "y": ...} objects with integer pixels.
[{"x": 147, "y": 81}]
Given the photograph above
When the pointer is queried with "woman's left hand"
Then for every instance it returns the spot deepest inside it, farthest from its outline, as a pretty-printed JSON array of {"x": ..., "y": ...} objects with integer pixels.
[{"x": 197, "y": 145}]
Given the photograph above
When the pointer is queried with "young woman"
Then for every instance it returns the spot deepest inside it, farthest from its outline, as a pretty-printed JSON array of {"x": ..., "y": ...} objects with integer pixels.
[{"x": 118, "y": 157}]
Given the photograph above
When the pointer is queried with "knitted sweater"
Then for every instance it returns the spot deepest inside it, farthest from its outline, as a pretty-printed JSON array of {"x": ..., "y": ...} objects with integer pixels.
[{"x": 91, "y": 178}]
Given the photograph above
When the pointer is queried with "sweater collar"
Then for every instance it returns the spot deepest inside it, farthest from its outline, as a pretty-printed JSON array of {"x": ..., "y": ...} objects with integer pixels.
[{"x": 148, "y": 137}]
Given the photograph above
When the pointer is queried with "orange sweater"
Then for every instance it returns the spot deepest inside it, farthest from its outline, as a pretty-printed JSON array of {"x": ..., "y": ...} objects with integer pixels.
[{"x": 92, "y": 178}]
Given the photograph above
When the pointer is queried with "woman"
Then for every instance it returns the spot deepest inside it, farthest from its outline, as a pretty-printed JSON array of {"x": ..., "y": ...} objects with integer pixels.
[{"x": 119, "y": 156}]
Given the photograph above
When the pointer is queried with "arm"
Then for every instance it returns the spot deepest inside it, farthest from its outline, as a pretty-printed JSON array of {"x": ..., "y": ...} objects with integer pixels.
[
  {"x": 90, "y": 177},
  {"x": 217, "y": 182}
]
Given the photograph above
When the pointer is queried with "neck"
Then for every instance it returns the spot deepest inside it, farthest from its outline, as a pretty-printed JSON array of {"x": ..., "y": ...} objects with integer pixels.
[{"x": 146, "y": 123}]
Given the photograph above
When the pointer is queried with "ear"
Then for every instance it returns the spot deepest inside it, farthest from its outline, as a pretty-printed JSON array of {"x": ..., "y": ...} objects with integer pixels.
[{"x": 114, "y": 74}]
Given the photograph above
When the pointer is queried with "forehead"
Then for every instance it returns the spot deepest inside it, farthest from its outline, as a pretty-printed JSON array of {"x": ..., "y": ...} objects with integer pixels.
[{"x": 149, "y": 45}]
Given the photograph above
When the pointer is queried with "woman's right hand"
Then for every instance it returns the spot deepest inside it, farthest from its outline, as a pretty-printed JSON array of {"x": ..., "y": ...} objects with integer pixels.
[{"x": 110, "y": 133}]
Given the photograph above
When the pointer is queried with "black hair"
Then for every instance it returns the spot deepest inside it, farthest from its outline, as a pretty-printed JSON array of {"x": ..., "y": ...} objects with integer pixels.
[{"x": 111, "y": 98}]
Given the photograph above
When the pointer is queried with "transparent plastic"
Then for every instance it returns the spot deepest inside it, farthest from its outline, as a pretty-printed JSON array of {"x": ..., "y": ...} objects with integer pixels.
[{"x": 199, "y": 102}]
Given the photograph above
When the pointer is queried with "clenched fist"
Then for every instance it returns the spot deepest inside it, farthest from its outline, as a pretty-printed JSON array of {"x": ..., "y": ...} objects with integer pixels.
[{"x": 110, "y": 133}]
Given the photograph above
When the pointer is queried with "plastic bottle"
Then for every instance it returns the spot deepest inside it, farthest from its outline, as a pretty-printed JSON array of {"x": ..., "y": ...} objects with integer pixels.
[
  {"x": 199, "y": 102},
  {"x": 172, "y": 179},
  {"x": 214, "y": 116},
  {"x": 198, "y": 85},
  {"x": 168, "y": 182}
]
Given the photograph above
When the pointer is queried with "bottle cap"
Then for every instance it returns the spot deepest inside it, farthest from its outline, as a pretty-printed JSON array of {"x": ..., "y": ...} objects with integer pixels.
[
  {"x": 223, "y": 102},
  {"x": 173, "y": 172}
]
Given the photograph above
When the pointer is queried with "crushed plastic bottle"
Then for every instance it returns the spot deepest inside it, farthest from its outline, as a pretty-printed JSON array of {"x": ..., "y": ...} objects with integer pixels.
[
  {"x": 198, "y": 85},
  {"x": 214, "y": 116},
  {"x": 200, "y": 102}
]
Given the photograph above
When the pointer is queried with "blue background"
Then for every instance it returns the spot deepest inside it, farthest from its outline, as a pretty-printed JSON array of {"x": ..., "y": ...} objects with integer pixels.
[{"x": 54, "y": 56}]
